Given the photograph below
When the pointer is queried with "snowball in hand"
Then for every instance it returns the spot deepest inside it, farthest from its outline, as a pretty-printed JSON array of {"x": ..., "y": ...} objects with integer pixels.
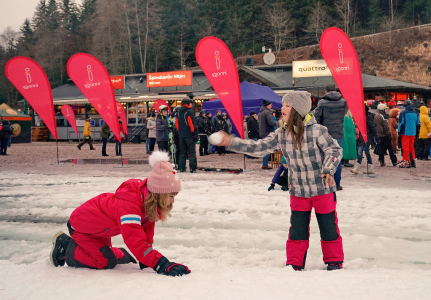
[{"x": 216, "y": 138}]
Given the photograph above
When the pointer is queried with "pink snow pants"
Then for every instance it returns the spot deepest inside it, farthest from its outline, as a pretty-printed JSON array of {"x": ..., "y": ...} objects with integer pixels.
[{"x": 299, "y": 232}]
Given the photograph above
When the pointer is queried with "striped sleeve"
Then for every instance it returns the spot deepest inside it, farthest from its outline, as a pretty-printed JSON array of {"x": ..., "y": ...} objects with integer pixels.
[
  {"x": 258, "y": 148},
  {"x": 130, "y": 219}
]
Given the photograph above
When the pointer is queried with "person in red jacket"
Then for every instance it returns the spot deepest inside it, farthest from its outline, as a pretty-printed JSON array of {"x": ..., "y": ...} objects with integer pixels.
[{"x": 132, "y": 212}]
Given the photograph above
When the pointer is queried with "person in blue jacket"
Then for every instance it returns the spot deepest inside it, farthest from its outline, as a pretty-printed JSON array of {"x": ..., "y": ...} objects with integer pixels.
[
  {"x": 408, "y": 125},
  {"x": 281, "y": 177}
]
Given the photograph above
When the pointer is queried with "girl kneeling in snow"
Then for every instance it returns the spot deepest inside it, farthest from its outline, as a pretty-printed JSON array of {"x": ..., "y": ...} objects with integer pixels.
[
  {"x": 312, "y": 157},
  {"x": 132, "y": 212}
]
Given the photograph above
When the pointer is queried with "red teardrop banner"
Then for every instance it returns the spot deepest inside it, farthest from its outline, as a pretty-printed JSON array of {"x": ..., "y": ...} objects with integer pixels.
[
  {"x": 219, "y": 67},
  {"x": 33, "y": 84},
  {"x": 92, "y": 78},
  {"x": 341, "y": 58},
  {"x": 68, "y": 113}
]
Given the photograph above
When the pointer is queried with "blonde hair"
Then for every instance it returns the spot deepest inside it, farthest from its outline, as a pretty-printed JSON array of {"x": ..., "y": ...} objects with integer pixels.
[{"x": 158, "y": 201}]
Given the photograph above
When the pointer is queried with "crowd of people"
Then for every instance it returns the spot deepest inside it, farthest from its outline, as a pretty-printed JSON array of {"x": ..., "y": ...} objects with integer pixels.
[{"x": 393, "y": 126}]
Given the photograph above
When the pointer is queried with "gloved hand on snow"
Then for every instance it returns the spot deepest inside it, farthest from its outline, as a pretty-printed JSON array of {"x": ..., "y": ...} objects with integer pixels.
[
  {"x": 165, "y": 267},
  {"x": 271, "y": 187}
]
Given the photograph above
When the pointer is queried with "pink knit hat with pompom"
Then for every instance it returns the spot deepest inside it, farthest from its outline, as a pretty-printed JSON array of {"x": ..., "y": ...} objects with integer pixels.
[{"x": 163, "y": 178}]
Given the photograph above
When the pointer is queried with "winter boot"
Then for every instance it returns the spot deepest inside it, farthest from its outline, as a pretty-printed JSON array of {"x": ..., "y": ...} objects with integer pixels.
[
  {"x": 413, "y": 163},
  {"x": 370, "y": 169},
  {"x": 382, "y": 163},
  {"x": 284, "y": 188},
  {"x": 405, "y": 164},
  {"x": 334, "y": 266},
  {"x": 104, "y": 153},
  {"x": 60, "y": 241},
  {"x": 355, "y": 169}
]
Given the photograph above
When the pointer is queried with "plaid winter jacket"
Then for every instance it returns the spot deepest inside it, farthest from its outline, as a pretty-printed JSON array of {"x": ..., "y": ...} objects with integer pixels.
[{"x": 320, "y": 154}]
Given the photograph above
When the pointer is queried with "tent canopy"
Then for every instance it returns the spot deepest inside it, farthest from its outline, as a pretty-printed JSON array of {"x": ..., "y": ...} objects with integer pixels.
[
  {"x": 252, "y": 96},
  {"x": 8, "y": 113}
]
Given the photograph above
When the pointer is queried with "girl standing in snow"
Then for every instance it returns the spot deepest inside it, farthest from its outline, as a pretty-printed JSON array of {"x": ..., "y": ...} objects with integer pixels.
[
  {"x": 132, "y": 212},
  {"x": 312, "y": 157}
]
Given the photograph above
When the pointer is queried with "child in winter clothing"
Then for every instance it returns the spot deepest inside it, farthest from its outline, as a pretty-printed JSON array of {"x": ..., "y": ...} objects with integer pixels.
[
  {"x": 281, "y": 177},
  {"x": 132, "y": 212},
  {"x": 312, "y": 157}
]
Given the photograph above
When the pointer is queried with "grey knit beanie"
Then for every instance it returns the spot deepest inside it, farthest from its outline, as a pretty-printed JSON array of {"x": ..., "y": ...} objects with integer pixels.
[{"x": 299, "y": 100}]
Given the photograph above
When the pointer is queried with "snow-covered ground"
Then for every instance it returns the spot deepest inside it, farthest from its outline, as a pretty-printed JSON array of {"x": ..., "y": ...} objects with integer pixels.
[{"x": 230, "y": 231}]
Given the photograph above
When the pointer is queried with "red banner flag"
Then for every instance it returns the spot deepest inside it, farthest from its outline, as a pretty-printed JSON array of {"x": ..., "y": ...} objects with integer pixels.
[
  {"x": 121, "y": 112},
  {"x": 219, "y": 67},
  {"x": 68, "y": 113},
  {"x": 92, "y": 78},
  {"x": 159, "y": 102},
  {"x": 342, "y": 60},
  {"x": 33, "y": 84}
]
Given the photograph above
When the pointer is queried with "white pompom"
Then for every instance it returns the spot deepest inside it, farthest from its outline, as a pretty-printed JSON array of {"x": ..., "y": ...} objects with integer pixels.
[
  {"x": 216, "y": 138},
  {"x": 157, "y": 157}
]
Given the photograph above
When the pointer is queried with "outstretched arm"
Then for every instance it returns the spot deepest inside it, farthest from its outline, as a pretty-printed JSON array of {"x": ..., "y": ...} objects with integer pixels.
[{"x": 255, "y": 148}]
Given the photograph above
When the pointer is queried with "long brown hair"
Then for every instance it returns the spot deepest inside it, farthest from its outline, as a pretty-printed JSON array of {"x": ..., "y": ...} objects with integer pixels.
[
  {"x": 295, "y": 127},
  {"x": 158, "y": 201}
]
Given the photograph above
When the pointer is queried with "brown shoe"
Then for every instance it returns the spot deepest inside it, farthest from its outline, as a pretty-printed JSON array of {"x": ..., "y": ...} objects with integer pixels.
[{"x": 266, "y": 168}]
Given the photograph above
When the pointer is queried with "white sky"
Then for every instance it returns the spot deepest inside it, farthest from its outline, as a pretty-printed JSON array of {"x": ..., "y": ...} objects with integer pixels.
[{"x": 14, "y": 12}]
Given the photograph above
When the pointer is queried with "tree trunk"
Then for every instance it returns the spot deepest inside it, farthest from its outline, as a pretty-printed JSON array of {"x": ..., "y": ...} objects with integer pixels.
[
  {"x": 146, "y": 42},
  {"x": 139, "y": 37}
]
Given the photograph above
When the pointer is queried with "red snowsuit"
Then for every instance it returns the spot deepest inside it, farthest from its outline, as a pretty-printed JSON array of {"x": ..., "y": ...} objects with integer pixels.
[{"x": 97, "y": 220}]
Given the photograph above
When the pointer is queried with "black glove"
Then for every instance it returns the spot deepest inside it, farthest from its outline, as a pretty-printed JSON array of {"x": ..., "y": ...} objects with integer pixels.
[
  {"x": 271, "y": 187},
  {"x": 165, "y": 267}
]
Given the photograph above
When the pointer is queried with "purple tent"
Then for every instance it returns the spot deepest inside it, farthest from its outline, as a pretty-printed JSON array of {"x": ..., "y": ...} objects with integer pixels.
[{"x": 252, "y": 96}]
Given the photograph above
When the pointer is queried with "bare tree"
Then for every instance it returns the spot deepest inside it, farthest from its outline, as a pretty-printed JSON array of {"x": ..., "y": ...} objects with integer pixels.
[
  {"x": 345, "y": 11},
  {"x": 111, "y": 39},
  {"x": 281, "y": 25},
  {"x": 9, "y": 39},
  {"x": 318, "y": 21},
  {"x": 391, "y": 23},
  {"x": 181, "y": 52},
  {"x": 138, "y": 27}
]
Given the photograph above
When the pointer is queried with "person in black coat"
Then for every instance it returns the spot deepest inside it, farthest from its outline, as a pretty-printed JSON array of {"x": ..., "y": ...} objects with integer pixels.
[
  {"x": 5, "y": 134},
  {"x": 203, "y": 131},
  {"x": 188, "y": 135},
  {"x": 252, "y": 126}
]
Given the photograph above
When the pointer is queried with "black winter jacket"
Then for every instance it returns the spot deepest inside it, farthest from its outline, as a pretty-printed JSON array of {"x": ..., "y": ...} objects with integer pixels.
[
  {"x": 222, "y": 124},
  {"x": 330, "y": 112},
  {"x": 186, "y": 123},
  {"x": 7, "y": 130},
  {"x": 202, "y": 124},
  {"x": 252, "y": 128}
]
